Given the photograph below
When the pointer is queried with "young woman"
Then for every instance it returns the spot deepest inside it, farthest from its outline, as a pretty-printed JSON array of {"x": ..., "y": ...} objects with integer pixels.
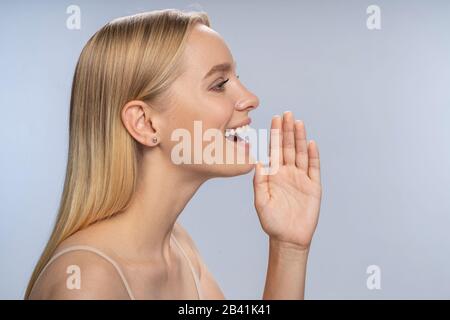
[{"x": 139, "y": 79}]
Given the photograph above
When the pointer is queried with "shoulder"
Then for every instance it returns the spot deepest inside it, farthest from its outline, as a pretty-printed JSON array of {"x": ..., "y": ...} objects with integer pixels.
[
  {"x": 181, "y": 234},
  {"x": 210, "y": 287},
  {"x": 188, "y": 245},
  {"x": 80, "y": 274}
]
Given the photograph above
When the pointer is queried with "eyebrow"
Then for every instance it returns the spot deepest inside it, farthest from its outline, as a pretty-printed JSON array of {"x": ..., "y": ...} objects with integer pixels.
[{"x": 223, "y": 67}]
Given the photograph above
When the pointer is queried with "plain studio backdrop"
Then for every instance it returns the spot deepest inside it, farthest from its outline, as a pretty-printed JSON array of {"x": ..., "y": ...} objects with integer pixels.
[{"x": 377, "y": 101}]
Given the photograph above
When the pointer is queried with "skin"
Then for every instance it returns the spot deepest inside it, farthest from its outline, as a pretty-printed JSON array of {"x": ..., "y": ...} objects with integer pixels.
[{"x": 287, "y": 203}]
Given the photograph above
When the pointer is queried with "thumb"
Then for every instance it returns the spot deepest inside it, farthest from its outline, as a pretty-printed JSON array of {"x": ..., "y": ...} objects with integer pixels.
[{"x": 260, "y": 185}]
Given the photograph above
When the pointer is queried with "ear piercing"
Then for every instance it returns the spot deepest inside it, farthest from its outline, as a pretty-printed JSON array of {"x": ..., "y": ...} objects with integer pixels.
[{"x": 155, "y": 139}]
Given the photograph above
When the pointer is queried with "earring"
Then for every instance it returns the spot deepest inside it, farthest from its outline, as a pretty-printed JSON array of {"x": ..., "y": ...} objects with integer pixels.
[{"x": 155, "y": 139}]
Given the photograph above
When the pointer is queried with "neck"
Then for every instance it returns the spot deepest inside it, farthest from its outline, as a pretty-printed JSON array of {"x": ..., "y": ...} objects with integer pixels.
[{"x": 163, "y": 191}]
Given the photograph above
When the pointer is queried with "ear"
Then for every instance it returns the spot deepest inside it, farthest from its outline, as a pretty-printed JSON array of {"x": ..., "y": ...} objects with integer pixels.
[{"x": 137, "y": 118}]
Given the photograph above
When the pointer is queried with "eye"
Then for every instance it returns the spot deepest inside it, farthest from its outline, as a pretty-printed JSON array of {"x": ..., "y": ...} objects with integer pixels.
[{"x": 220, "y": 86}]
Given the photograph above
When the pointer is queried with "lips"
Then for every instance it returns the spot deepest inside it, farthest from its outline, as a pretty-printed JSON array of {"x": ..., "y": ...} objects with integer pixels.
[{"x": 241, "y": 124}]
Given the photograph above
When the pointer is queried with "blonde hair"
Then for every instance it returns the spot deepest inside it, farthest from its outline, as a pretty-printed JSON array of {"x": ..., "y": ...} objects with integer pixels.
[{"x": 130, "y": 58}]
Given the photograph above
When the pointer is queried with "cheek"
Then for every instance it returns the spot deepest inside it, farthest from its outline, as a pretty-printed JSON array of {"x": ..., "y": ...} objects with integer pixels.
[
  {"x": 213, "y": 109},
  {"x": 215, "y": 112},
  {"x": 217, "y": 117}
]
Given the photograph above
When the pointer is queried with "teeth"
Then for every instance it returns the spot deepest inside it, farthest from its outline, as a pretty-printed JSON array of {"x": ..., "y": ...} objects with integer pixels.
[
  {"x": 237, "y": 130},
  {"x": 240, "y": 132}
]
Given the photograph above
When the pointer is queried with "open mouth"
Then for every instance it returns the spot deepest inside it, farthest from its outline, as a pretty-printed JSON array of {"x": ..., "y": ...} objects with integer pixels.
[{"x": 238, "y": 134}]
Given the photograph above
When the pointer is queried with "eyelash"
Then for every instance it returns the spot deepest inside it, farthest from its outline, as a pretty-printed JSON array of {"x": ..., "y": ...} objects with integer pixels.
[{"x": 220, "y": 86}]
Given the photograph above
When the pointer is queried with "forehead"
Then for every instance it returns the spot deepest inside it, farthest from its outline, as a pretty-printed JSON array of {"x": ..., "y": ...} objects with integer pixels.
[{"x": 204, "y": 49}]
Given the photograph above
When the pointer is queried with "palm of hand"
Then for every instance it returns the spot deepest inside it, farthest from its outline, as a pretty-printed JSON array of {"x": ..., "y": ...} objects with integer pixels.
[{"x": 288, "y": 202}]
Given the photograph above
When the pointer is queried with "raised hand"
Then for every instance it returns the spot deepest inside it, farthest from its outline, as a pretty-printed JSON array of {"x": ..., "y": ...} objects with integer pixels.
[{"x": 288, "y": 202}]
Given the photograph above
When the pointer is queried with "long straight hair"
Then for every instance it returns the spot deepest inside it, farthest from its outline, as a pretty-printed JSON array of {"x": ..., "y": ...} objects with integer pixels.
[{"x": 130, "y": 58}]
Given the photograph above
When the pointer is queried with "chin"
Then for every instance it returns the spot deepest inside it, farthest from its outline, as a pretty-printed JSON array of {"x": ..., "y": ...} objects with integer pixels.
[
  {"x": 231, "y": 170},
  {"x": 233, "y": 160}
]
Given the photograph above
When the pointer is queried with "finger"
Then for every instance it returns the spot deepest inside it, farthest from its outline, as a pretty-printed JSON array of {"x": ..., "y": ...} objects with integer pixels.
[
  {"x": 276, "y": 142},
  {"x": 260, "y": 185},
  {"x": 288, "y": 138},
  {"x": 301, "y": 148},
  {"x": 314, "y": 161}
]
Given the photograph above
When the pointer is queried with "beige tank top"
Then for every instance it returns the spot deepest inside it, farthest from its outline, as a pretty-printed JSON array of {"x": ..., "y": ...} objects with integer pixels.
[{"x": 117, "y": 267}]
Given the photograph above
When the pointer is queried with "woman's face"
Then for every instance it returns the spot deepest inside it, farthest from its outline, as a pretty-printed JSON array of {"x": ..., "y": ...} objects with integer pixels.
[{"x": 208, "y": 91}]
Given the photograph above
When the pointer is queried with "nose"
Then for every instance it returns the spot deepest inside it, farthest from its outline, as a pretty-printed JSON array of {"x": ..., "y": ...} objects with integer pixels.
[{"x": 249, "y": 103}]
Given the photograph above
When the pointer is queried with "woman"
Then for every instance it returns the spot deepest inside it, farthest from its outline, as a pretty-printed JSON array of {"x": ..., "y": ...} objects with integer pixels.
[{"x": 138, "y": 80}]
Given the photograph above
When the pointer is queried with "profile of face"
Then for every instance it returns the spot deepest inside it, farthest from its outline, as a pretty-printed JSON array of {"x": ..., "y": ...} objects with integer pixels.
[{"x": 207, "y": 95}]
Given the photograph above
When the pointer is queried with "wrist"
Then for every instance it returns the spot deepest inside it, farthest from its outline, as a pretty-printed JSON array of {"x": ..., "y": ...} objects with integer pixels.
[{"x": 288, "y": 248}]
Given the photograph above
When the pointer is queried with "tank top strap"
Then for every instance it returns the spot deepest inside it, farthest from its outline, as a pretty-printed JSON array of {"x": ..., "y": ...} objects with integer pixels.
[
  {"x": 99, "y": 253},
  {"x": 194, "y": 274}
]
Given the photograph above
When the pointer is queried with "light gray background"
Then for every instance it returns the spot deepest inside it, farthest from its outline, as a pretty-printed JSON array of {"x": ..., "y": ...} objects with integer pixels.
[{"x": 377, "y": 103}]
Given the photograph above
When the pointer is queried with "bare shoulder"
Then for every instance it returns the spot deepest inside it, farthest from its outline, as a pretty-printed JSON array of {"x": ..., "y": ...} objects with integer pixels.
[
  {"x": 210, "y": 287},
  {"x": 79, "y": 275},
  {"x": 183, "y": 236}
]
